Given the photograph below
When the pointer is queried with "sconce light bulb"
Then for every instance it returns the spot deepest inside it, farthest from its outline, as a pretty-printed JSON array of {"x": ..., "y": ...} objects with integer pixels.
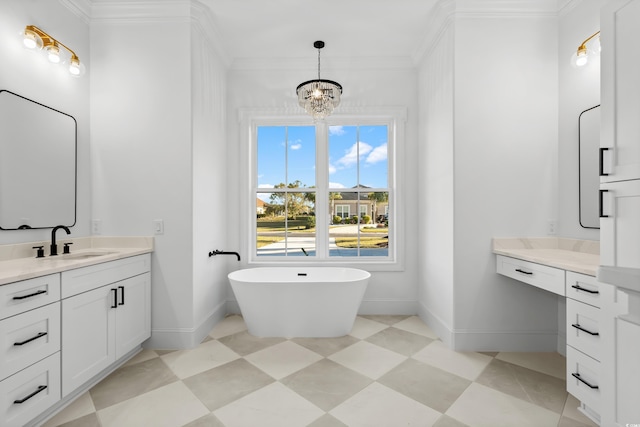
[
  {"x": 74, "y": 66},
  {"x": 317, "y": 93},
  {"x": 31, "y": 40},
  {"x": 53, "y": 53},
  {"x": 582, "y": 59}
]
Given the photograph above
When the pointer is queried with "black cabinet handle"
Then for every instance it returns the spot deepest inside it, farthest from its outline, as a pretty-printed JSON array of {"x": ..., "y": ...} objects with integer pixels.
[
  {"x": 600, "y": 208},
  {"x": 580, "y": 288},
  {"x": 601, "y": 161},
  {"x": 40, "y": 335},
  {"x": 24, "y": 399},
  {"x": 577, "y": 326},
  {"x": 579, "y": 378},
  {"x": 523, "y": 272},
  {"x": 122, "y": 300},
  {"x": 40, "y": 292},
  {"x": 115, "y": 298}
]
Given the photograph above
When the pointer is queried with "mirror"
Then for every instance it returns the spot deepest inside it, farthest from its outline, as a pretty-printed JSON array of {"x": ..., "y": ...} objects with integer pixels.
[
  {"x": 37, "y": 164},
  {"x": 589, "y": 179}
]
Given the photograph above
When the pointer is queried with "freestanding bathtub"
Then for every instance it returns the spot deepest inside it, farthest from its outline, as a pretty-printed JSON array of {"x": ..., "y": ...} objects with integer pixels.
[{"x": 299, "y": 301}]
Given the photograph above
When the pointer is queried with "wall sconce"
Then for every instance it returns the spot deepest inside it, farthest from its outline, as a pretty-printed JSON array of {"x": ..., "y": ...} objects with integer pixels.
[
  {"x": 35, "y": 38},
  {"x": 581, "y": 57}
]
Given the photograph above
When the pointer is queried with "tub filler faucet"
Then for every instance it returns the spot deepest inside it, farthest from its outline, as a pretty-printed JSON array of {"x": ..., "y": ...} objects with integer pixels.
[{"x": 217, "y": 252}]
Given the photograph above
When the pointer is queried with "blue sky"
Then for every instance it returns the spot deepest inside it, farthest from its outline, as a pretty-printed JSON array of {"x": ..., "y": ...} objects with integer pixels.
[{"x": 346, "y": 147}]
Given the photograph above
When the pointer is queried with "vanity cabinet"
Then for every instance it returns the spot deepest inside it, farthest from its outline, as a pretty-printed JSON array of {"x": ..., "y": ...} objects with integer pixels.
[
  {"x": 620, "y": 224},
  {"x": 620, "y": 211},
  {"x": 585, "y": 296},
  {"x": 105, "y": 315},
  {"x": 29, "y": 348},
  {"x": 620, "y": 103}
]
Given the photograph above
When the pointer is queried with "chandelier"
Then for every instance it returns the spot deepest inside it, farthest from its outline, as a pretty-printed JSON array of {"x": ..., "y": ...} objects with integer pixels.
[{"x": 319, "y": 97}]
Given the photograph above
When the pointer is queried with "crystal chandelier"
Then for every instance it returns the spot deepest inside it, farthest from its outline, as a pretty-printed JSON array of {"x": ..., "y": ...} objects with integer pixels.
[{"x": 319, "y": 97}]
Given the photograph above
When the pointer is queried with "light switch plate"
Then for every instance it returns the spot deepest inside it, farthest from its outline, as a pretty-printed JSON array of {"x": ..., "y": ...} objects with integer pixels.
[{"x": 158, "y": 226}]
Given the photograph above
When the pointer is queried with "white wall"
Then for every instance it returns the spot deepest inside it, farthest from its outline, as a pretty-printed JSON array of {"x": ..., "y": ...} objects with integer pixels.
[
  {"x": 436, "y": 154},
  {"x": 504, "y": 160},
  {"x": 28, "y": 73},
  {"x": 579, "y": 90},
  {"x": 273, "y": 86},
  {"x": 157, "y": 106}
]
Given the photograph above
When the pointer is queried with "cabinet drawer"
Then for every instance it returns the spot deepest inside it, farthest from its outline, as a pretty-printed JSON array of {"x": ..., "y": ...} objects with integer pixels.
[
  {"x": 28, "y": 338},
  {"x": 28, "y": 294},
  {"x": 31, "y": 391},
  {"x": 583, "y": 378},
  {"x": 583, "y": 328},
  {"x": 584, "y": 288},
  {"x": 94, "y": 276},
  {"x": 547, "y": 278}
]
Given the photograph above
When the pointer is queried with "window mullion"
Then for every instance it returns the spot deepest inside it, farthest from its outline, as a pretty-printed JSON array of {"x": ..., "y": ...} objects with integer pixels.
[{"x": 322, "y": 195}]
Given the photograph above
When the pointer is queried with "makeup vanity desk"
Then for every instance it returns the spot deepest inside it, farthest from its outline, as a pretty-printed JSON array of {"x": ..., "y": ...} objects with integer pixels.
[{"x": 566, "y": 267}]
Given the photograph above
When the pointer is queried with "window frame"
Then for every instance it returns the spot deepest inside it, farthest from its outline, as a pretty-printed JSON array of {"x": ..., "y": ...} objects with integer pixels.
[{"x": 393, "y": 117}]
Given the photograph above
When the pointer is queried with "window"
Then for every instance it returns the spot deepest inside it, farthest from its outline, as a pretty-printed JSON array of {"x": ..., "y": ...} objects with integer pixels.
[
  {"x": 342, "y": 211},
  {"x": 326, "y": 190}
]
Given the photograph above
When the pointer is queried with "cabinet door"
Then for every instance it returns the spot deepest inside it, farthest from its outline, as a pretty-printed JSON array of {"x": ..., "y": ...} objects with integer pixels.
[
  {"x": 620, "y": 227},
  {"x": 133, "y": 315},
  {"x": 620, "y": 90},
  {"x": 88, "y": 340}
]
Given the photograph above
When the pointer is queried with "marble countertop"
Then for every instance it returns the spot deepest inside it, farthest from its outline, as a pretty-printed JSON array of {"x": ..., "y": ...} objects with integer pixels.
[
  {"x": 18, "y": 261},
  {"x": 581, "y": 256}
]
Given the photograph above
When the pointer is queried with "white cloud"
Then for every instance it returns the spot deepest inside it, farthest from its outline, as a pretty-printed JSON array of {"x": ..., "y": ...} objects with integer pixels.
[
  {"x": 351, "y": 155},
  {"x": 378, "y": 154},
  {"x": 336, "y": 130},
  {"x": 265, "y": 185},
  {"x": 336, "y": 185},
  {"x": 332, "y": 169},
  {"x": 296, "y": 146}
]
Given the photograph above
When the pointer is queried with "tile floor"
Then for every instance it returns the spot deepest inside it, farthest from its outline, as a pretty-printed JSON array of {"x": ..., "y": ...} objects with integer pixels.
[{"x": 390, "y": 371}]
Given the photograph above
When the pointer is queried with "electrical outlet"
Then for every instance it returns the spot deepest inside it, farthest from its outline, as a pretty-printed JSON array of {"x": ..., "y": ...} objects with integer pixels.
[
  {"x": 96, "y": 226},
  {"x": 552, "y": 227},
  {"x": 158, "y": 226}
]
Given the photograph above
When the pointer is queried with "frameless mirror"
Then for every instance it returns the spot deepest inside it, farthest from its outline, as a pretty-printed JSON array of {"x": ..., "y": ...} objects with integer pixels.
[
  {"x": 589, "y": 182},
  {"x": 37, "y": 164}
]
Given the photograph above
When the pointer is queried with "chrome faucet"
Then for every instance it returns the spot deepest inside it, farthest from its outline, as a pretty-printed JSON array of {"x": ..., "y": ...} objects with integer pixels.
[{"x": 54, "y": 247}]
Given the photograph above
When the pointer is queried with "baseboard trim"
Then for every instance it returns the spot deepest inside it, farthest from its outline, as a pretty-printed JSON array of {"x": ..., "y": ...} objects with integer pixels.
[
  {"x": 398, "y": 307},
  {"x": 490, "y": 340},
  {"x": 184, "y": 338}
]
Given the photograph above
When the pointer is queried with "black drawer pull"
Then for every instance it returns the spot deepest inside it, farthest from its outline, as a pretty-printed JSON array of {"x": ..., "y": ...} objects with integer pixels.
[
  {"x": 40, "y": 335},
  {"x": 600, "y": 208},
  {"x": 122, "y": 301},
  {"x": 577, "y": 326},
  {"x": 24, "y": 399},
  {"x": 579, "y": 378},
  {"x": 40, "y": 292},
  {"x": 115, "y": 298},
  {"x": 580, "y": 288},
  {"x": 523, "y": 272},
  {"x": 601, "y": 161}
]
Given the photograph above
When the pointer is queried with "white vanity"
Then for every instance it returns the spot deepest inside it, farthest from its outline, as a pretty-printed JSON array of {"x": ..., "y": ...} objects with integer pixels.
[
  {"x": 567, "y": 267},
  {"x": 68, "y": 321}
]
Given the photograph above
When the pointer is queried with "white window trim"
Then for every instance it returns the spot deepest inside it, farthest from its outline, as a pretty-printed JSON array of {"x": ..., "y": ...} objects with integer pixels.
[{"x": 393, "y": 117}]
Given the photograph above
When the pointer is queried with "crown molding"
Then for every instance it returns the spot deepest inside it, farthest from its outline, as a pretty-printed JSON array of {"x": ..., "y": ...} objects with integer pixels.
[
  {"x": 566, "y": 6},
  {"x": 80, "y": 8},
  {"x": 445, "y": 12},
  {"x": 333, "y": 63}
]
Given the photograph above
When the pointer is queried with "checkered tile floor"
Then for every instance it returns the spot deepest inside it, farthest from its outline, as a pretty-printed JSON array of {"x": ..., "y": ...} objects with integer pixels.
[{"x": 390, "y": 371}]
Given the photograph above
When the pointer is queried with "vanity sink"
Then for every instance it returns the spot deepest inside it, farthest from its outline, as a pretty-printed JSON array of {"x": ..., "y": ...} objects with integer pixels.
[{"x": 79, "y": 255}]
